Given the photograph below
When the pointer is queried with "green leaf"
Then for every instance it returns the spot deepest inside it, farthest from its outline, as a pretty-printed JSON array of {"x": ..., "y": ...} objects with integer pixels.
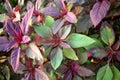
[
  {"x": 97, "y": 43},
  {"x": 116, "y": 73},
  {"x": 105, "y": 73},
  {"x": 1, "y": 77},
  {"x": 82, "y": 55},
  {"x": 7, "y": 73},
  {"x": 79, "y": 40},
  {"x": 43, "y": 31},
  {"x": 107, "y": 34},
  {"x": 56, "y": 57},
  {"x": 49, "y": 21},
  {"x": 70, "y": 53}
]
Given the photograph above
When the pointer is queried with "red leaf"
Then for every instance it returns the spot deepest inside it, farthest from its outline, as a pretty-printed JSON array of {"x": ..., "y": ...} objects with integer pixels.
[
  {"x": 99, "y": 11},
  {"x": 26, "y": 20},
  {"x": 15, "y": 56}
]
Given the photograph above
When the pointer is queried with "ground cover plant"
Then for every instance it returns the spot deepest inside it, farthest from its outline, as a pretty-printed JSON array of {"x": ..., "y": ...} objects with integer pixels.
[{"x": 59, "y": 40}]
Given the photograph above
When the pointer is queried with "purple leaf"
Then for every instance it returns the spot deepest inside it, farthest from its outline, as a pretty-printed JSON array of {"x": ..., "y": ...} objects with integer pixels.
[
  {"x": 13, "y": 29},
  {"x": 65, "y": 31},
  {"x": 40, "y": 75},
  {"x": 64, "y": 45},
  {"x": 47, "y": 43},
  {"x": 11, "y": 45},
  {"x": 118, "y": 56},
  {"x": 99, "y": 11},
  {"x": 68, "y": 76},
  {"x": 21, "y": 68},
  {"x": 57, "y": 25},
  {"x": 26, "y": 21},
  {"x": 60, "y": 4},
  {"x": 70, "y": 17},
  {"x": 37, "y": 5},
  {"x": 29, "y": 5},
  {"x": 51, "y": 11},
  {"x": 26, "y": 77},
  {"x": 15, "y": 56},
  {"x": 25, "y": 39},
  {"x": 97, "y": 52},
  {"x": 84, "y": 72},
  {"x": 8, "y": 6},
  {"x": 4, "y": 42}
]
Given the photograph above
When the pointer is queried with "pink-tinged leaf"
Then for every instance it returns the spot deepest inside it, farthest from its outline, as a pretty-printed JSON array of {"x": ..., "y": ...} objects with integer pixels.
[
  {"x": 33, "y": 52},
  {"x": 21, "y": 68},
  {"x": 8, "y": 6},
  {"x": 40, "y": 75},
  {"x": 65, "y": 31},
  {"x": 64, "y": 45},
  {"x": 26, "y": 21},
  {"x": 70, "y": 17},
  {"x": 37, "y": 5},
  {"x": 48, "y": 43},
  {"x": 12, "y": 28},
  {"x": 68, "y": 76},
  {"x": 4, "y": 42},
  {"x": 51, "y": 11},
  {"x": 29, "y": 5},
  {"x": 118, "y": 56},
  {"x": 83, "y": 71},
  {"x": 26, "y": 77},
  {"x": 25, "y": 39},
  {"x": 57, "y": 25},
  {"x": 99, "y": 11},
  {"x": 11, "y": 45},
  {"x": 15, "y": 56},
  {"x": 60, "y": 4}
]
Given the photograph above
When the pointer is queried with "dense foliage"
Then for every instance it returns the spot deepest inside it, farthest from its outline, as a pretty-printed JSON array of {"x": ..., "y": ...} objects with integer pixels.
[{"x": 60, "y": 40}]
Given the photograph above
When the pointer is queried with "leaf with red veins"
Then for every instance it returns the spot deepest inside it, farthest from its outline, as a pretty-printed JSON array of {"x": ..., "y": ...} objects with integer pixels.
[
  {"x": 26, "y": 20},
  {"x": 12, "y": 28},
  {"x": 51, "y": 11},
  {"x": 99, "y": 11},
  {"x": 25, "y": 39},
  {"x": 11, "y": 45},
  {"x": 15, "y": 56},
  {"x": 4, "y": 43},
  {"x": 70, "y": 17},
  {"x": 37, "y": 5}
]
